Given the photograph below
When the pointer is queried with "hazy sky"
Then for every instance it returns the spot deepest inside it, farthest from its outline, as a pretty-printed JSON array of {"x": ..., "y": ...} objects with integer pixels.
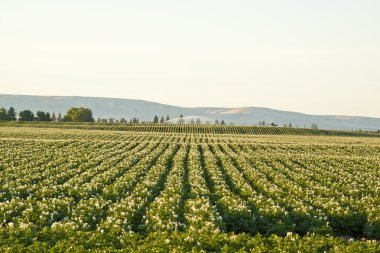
[{"x": 312, "y": 56}]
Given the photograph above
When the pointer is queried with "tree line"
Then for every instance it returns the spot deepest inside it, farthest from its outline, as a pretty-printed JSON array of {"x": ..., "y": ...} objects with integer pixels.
[
  {"x": 81, "y": 114},
  {"x": 74, "y": 114},
  {"x": 181, "y": 120},
  {"x": 162, "y": 120},
  {"x": 262, "y": 123},
  {"x": 7, "y": 115}
]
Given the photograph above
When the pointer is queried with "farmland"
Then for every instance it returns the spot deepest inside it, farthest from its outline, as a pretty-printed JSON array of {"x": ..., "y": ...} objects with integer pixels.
[{"x": 214, "y": 188}]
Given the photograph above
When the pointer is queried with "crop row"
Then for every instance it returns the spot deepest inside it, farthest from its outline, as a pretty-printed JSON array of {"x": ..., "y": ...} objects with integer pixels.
[
  {"x": 186, "y": 128},
  {"x": 123, "y": 185}
]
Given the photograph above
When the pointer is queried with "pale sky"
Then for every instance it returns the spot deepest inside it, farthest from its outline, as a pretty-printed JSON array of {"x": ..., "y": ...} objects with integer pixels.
[{"x": 311, "y": 56}]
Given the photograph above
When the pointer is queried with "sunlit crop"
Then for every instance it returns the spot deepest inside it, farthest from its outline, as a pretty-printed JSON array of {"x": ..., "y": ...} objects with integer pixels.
[{"x": 138, "y": 190}]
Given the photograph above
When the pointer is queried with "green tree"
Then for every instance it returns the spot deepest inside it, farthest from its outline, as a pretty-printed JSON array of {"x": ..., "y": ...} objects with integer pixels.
[
  {"x": 43, "y": 116},
  {"x": 40, "y": 116},
  {"x": 222, "y": 122},
  {"x": 11, "y": 114},
  {"x": 155, "y": 120},
  {"x": 53, "y": 117},
  {"x": 47, "y": 116},
  {"x": 162, "y": 120},
  {"x": 26, "y": 115},
  {"x": 3, "y": 113},
  {"x": 80, "y": 114},
  {"x": 167, "y": 118}
]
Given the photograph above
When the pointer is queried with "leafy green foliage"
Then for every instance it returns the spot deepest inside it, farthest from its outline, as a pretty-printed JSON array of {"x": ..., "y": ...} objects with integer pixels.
[
  {"x": 43, "y": 116},
  {"x": 9, "y": 115},
  {"x": 26, "y": 115},
  {"x": 3, "y": 113},
  {"x": 80, "y": 114},
  {"x": 87, "y": 190}
]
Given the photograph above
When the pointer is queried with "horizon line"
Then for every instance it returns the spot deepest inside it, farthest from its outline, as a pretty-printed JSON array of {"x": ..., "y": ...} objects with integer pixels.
[{"x": 191, "y": 107}]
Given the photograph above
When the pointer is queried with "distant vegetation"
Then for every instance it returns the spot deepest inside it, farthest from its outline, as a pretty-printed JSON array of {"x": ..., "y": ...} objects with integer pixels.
[
  {"x": 81, "y": 114},
  {"x": 72, "y": 115},
  {"x": 78, "y": 115},
  {"x": 124, "y": 110},
  {"x": 187, "y": 128},
  {"x": 7, "y": 115}
]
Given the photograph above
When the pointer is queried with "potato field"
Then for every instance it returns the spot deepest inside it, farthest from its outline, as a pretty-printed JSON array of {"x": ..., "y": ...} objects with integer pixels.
[{"x": 160, "y": 188}]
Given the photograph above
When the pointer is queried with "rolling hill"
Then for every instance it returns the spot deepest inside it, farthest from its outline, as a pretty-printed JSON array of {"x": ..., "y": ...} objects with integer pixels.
[{"x": 145, "y": 111}]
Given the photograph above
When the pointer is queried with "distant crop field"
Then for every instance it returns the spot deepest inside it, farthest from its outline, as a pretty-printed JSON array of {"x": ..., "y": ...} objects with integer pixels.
[
  {"x": 189, "y": 128},
  {"x": 78, "y": 187}
]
